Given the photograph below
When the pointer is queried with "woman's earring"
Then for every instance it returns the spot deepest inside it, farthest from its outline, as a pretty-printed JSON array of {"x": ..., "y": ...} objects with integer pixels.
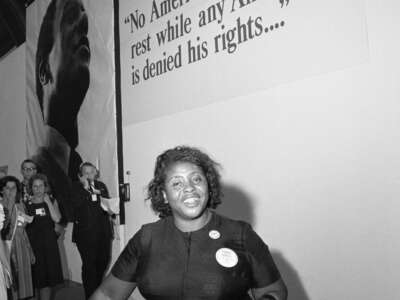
[{"x": 165, "y": 197}]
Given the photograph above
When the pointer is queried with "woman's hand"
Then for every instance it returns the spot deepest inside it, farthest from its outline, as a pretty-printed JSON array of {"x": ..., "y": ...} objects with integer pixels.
[
  {"x": 46, "y": 199},
  {"x": 55, "y": 213},
  {"x": 276, "y": 291},
  {"x": 113, "y": 288},
  {"x": 23, "y": 219}
]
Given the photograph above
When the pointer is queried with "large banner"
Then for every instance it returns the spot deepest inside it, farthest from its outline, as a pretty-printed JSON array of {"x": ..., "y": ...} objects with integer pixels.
[
  {"x": 182, "y": 54},
  {"x": 71, "y": 109}
]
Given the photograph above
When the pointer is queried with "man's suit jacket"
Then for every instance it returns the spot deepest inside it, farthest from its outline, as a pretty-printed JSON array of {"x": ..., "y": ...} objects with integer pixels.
[{"x": 90, "y": 220}]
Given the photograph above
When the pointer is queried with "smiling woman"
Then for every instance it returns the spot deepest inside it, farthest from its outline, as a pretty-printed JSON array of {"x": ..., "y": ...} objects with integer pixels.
[
  {"x": 192, "y": 252},
  {"x": 186, "y": 192},
  {"x": 166, "y": 166},
  {"x": 181, "y": 187}
]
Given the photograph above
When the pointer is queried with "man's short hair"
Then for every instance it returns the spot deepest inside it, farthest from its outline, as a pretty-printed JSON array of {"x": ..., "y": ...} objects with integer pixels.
[
  {"x": 28, "y": 160},
  {"x": 88, "y": 164}
]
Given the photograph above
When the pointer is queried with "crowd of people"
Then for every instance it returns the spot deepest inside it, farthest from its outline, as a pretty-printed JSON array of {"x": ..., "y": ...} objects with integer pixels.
[{"x": 31, "y": 222}]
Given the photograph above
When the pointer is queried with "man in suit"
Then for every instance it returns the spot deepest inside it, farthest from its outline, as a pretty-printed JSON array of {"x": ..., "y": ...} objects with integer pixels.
[{"x": 92, "y": 230}]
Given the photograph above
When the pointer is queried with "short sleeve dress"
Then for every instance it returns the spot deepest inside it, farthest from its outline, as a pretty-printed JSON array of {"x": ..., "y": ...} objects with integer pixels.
[
  {"x": 47, "y": 271},
  {"x": 21, "y": 255},
  {"x": 222, "y": 260}
]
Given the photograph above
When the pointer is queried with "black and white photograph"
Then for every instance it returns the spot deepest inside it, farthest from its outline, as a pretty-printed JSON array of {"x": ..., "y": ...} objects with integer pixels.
[{"x": 199, "y": 150}]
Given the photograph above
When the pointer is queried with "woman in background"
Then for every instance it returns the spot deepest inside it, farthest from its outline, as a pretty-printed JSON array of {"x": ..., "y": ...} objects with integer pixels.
[
  {"x": 21, "y": 254},
  {"x": 192, "y": 252},
  {"x": 5, "y": 270},
  {"x": 47, "y": 271}
]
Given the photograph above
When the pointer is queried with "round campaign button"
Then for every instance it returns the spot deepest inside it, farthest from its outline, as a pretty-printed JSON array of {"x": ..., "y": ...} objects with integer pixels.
[
  {"x": 226, "y": 257},
  {"x": 214, "y": 234}
]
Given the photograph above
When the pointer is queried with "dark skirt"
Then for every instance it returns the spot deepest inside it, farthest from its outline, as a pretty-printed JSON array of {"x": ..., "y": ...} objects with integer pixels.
[{"x": 47, "y": 270}]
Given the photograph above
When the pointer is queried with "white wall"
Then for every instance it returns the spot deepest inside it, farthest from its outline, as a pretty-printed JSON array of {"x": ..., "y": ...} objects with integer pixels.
[{"x": 314, "y": 165}]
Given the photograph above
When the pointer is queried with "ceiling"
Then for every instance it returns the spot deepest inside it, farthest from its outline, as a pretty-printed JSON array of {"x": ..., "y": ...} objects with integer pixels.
[{"x": 12, "y": 24}]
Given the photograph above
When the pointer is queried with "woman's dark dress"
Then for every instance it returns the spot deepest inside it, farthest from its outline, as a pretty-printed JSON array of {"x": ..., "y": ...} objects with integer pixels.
[
  {"x": 47, "y": 270},
  {"x": 221, "y": 261}
]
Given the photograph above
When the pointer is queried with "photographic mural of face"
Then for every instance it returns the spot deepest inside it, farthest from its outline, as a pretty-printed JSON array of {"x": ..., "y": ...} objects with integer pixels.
[{"x": 64, "y": 71}]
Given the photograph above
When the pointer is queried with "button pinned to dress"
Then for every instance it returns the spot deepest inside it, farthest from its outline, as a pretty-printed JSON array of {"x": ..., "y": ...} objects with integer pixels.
[
  {"x": 214, "y": 234},
  {"x": 226, "y": 257}
]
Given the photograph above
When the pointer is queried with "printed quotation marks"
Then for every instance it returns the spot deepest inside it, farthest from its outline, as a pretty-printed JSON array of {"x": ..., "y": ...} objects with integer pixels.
[{"x": 284, "y": 2}]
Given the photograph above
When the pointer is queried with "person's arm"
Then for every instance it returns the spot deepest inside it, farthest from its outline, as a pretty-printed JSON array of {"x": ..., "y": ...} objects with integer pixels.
[
  {"x": 2, "y": 216},
  {"x": 101, "y": 189},
  {"x": 267, "y": 281},
  {"x": 79, "y": 192},
  {"x": 7, "y": 223},
  {"x": 53, "y": 208},
  {"x": 4, "y": 261},
  {"x": 274, "y": 291},
  {"x": 121, "y": 281},
  {"x": 113, "y": 288}
]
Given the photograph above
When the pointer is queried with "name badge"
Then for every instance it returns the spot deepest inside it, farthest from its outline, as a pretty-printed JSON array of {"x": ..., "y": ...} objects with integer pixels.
[
  {"x": 40, "y": 212},
  {"x": 226, "y": 257},
  {"x": 94, "y": 197}
]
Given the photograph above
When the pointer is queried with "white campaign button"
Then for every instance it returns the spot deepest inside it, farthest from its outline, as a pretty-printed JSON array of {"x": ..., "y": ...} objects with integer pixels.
[
  {"x": 226, "y": 257},
  {"x": 214, "y": 234}
]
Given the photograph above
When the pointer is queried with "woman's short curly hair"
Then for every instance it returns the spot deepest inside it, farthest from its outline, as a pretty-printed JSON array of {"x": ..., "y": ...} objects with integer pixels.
[
  {"x": 7, "y": 179},
  {"x": 43, "y": 178},
  {"x": 183, "y": 154}
]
